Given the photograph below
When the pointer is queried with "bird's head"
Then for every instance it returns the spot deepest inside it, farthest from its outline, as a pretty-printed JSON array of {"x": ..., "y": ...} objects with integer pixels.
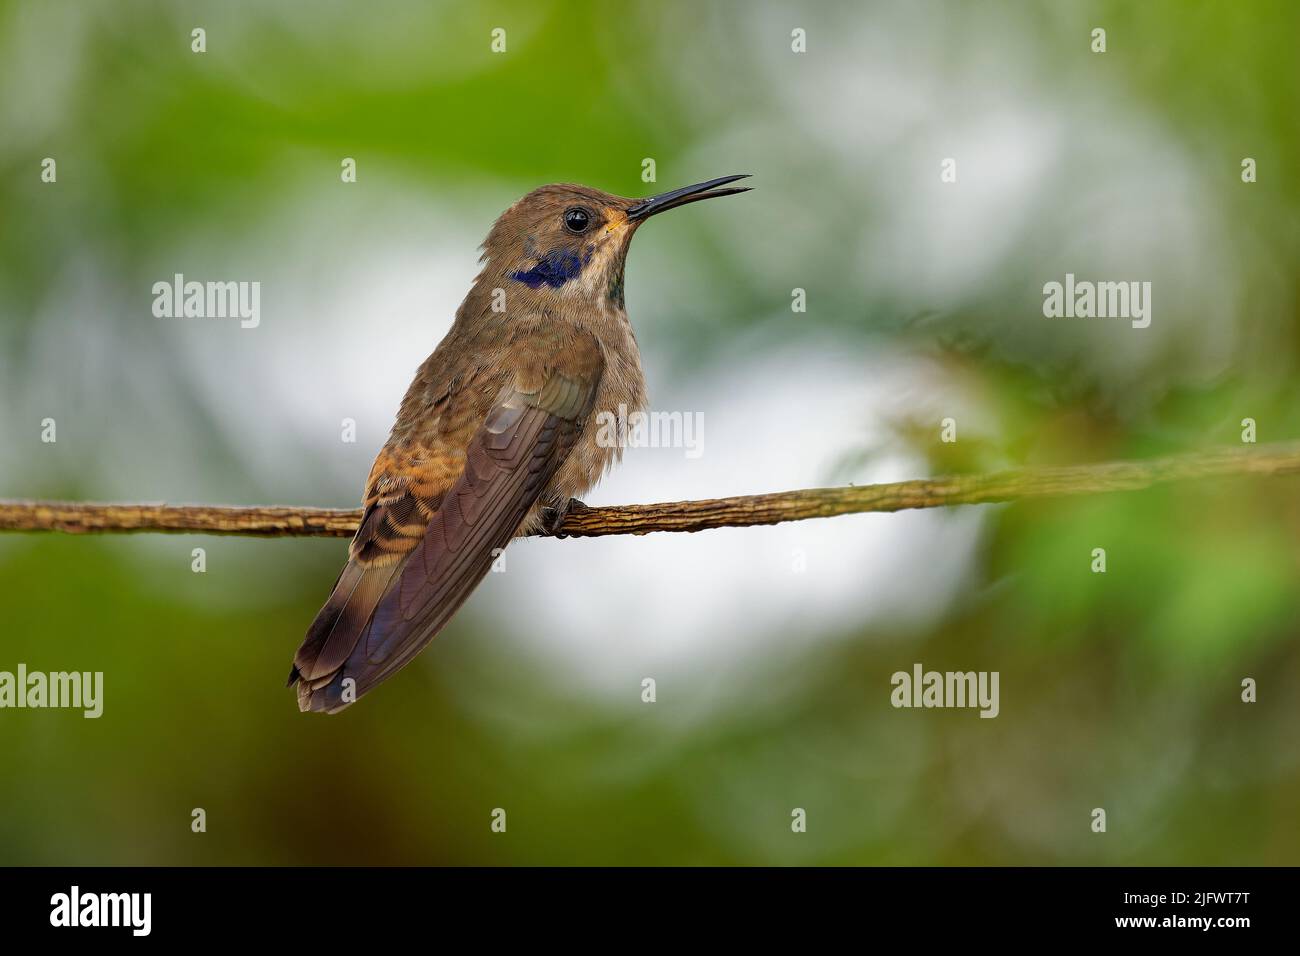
[{"x": 566, "y": 240}]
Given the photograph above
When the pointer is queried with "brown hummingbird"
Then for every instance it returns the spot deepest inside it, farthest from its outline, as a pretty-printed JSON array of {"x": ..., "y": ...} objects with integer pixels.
[{"x": 497, "y": 434}]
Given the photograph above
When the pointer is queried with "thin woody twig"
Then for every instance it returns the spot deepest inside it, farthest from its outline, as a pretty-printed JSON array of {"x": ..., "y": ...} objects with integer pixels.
[{"x": 742, "y": 511}]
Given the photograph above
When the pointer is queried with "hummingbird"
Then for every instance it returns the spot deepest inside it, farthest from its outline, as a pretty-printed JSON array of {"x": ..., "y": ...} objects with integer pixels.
[{"x": 497, "y": 434}]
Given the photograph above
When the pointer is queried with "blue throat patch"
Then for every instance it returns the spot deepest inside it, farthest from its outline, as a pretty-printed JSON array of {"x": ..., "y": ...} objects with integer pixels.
[{"x": 553, "y": 269}]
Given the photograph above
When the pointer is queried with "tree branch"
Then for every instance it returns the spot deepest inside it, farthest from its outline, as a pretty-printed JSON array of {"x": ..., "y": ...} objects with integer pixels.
[{"x": 743, "y": 511}]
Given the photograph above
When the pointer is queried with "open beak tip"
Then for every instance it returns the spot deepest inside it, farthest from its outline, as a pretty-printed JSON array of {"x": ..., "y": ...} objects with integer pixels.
[{"x": 687, "y": 194}]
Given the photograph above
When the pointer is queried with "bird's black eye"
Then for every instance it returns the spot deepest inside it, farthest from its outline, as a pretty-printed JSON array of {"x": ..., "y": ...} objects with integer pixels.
[{"x": 577, "y": 219}]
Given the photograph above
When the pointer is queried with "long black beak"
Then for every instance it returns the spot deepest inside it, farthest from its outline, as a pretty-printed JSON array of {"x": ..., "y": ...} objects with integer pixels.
[{"x": 680, "y": 197}]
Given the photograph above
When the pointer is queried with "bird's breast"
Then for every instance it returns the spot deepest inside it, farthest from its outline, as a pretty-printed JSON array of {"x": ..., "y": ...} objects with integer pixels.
[{"x": 622, "y": 392}]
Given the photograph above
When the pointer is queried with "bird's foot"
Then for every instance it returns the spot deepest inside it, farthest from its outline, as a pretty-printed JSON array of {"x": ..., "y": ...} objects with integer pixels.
[{"x": 553, "y": 517}]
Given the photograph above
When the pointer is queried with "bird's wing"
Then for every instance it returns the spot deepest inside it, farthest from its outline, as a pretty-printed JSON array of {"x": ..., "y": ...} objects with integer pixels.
[
  {"x": 402, "y": 495},
  {"x": 396, "y": 602}
]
